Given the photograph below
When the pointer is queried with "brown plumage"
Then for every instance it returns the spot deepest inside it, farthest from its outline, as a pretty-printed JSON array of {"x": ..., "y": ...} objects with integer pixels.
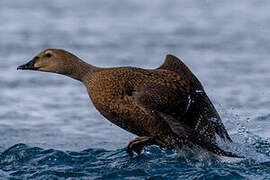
[{"x": 166, "y": 106}]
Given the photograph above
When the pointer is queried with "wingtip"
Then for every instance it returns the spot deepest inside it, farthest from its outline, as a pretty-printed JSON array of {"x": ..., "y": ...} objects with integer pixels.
[{"x": 169, "y": 56}]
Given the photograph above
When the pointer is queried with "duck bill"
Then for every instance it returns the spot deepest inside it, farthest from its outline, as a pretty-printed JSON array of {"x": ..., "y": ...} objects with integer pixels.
[{"x": 28, "y": 66}]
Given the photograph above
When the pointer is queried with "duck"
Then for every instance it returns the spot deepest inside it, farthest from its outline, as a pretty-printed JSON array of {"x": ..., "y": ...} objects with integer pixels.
[{"x": 166, "y": 106}]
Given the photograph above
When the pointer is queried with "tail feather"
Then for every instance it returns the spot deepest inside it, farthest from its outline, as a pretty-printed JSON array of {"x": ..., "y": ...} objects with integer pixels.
[{"x": 187, "y": 135}]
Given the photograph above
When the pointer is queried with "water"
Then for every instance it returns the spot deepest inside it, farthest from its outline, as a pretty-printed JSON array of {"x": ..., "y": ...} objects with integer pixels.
[{"x": 49, "y": 128}]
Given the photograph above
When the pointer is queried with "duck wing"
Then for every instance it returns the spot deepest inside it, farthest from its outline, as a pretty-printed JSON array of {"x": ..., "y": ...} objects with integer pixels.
[
  {"x": 168, "y": 105},
  {"x": 174, "y": 64},
  {"x": 201, "y": 108}
]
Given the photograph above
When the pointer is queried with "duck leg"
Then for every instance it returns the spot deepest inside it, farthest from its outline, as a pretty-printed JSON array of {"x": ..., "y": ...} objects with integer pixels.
[{"x": 138, "y": 143}]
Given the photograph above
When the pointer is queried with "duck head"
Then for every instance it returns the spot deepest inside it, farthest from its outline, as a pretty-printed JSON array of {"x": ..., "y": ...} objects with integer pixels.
[
  {"x": 58, "y": 61},
  {"x": 50, "y": 60}
]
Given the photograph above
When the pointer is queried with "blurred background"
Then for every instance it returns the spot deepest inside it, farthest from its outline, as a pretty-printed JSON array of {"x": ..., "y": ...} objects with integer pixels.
[{"x": 225, "y": 43}]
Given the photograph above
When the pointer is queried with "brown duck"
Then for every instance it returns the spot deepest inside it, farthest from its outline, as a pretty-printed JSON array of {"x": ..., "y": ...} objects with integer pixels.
[{"x": 166, "y": 106}]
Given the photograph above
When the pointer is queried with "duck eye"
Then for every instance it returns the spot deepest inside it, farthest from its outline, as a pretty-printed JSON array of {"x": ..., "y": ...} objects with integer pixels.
[{"x": 48, "y": 55}]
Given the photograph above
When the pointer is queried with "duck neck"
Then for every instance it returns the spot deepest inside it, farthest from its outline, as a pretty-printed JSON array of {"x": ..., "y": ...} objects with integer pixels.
[{"x": 81, "y": 70}]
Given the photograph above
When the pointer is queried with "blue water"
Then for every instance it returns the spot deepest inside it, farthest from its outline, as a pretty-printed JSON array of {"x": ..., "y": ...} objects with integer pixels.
[{"x": 49, "y": 127}]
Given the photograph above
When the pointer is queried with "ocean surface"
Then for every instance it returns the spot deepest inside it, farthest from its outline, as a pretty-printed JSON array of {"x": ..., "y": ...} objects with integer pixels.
[{"x": 49, "y": 128}]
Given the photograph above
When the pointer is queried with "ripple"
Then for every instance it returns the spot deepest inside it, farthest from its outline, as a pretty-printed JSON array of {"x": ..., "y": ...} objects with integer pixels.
[{"x": 263, "y": 117}]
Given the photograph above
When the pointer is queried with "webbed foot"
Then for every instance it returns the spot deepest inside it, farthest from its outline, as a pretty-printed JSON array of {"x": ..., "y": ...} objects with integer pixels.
[{"x": 138, "y": 143}]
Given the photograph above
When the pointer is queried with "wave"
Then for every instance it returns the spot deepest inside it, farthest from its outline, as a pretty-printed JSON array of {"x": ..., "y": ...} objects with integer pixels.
[{"x": 25, "y": 162}]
